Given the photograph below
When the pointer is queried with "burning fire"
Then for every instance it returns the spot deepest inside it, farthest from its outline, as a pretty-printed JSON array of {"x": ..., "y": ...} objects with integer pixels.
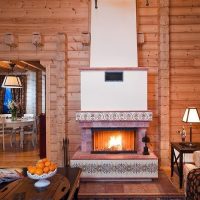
[{"x": 115, "y": 142}]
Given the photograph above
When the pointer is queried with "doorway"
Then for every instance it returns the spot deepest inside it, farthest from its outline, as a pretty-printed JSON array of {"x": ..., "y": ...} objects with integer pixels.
[
  {"x": 53, "y": 56},
  {"x": 30, "y": 99}
]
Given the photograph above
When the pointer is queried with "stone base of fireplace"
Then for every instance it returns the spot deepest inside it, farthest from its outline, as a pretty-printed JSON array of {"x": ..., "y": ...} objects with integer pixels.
[{"x": 120, "y": 166}]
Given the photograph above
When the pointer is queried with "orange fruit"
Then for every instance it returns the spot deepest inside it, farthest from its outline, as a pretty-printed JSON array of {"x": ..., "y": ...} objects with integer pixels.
[
  {"x": 31, "y": 169},
  {"x": 46, "y": 169},
  {"x": 52, "y": 167},
  {"x": 38, "y": 171},
  {"x": 47, "y": 163},
  {"x": 40, "y": 165}
]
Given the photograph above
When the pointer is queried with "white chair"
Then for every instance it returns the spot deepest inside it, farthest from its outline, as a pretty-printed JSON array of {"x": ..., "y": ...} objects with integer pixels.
[
  {"x": 31, "y": 129},
  {"x": 15, "y": 128},
  {"x": 2, "y": 124},
  {"x": 28, "y": 116},
  {"x": 6, "y": 131}
]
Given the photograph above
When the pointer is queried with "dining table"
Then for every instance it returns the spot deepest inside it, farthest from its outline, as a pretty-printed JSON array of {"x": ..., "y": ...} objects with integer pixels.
[{"x": 19, "y": 124}]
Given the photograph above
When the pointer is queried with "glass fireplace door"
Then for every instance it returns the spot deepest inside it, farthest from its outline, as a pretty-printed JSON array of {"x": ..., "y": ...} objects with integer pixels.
[{"x": 113, "y": 140}]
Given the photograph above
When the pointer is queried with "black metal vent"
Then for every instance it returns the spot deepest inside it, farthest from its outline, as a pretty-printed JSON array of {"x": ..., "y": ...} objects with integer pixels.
[{"x": 113, "y": 76}]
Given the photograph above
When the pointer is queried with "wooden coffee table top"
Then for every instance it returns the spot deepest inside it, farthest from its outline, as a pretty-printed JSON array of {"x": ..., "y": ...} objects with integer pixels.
[
  {"x": 24, "y": 189},
  {"x": 64, "y": 183}
]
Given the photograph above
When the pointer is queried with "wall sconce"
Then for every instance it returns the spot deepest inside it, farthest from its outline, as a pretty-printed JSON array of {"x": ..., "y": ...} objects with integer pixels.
[
  {"x": 10, "y": 40},
  {"x": 140, "y": 38},
  {"x": 85, "y": 39},
  {"x": 37, "y": 40}
]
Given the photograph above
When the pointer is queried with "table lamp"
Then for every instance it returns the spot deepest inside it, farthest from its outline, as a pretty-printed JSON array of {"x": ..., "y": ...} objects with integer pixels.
[{"x": 191, "y": 116}]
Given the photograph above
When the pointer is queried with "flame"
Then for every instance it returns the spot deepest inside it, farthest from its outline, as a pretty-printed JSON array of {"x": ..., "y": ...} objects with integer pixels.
[{"x": 116, "y": 142}]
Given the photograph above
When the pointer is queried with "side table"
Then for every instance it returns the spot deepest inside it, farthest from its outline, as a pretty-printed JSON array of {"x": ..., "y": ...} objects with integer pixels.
[{"x": 181, "y": 148}]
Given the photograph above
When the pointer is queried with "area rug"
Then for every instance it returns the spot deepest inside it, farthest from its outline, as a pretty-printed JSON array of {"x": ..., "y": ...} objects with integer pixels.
[{"x": 159, "y": 189}]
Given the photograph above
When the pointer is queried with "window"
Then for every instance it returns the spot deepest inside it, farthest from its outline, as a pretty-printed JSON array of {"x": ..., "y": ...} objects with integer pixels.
[{"x": 6, "y": 100}]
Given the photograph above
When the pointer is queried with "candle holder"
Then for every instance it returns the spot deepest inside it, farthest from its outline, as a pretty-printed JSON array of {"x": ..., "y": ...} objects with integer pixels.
[{"x": 146, "y": 140}]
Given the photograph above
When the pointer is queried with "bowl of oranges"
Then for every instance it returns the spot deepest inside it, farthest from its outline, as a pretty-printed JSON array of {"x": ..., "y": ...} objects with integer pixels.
[{"x": 43, "y": 170}]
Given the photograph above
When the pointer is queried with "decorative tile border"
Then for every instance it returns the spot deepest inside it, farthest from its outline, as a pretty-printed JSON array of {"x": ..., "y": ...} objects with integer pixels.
[
  {"x": 117, "y": 168},
  {"x": 114, "y": 116}
]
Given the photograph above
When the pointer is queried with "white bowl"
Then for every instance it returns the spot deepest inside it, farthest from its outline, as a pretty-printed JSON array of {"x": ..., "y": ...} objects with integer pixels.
[{"x": 42, "y": 178}]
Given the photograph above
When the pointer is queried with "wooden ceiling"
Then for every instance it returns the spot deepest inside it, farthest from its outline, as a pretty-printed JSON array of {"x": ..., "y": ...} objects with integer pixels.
[{"x": 21, "y": 66}]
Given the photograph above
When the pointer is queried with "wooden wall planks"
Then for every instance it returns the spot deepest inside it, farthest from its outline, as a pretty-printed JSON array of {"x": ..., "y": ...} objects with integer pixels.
[
  {"x": 72, "y": 18},
  {"x": 148, "y": 56},
  {"x": 184, "y": 71}
]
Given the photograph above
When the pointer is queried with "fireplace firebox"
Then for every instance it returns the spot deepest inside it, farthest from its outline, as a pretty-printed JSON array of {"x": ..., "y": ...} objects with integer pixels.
[{"x": 113, "y": 140}]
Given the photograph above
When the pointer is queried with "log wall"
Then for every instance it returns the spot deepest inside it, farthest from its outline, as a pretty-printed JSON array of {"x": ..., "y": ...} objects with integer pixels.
[
  {"x": 184, "y": 64},
  {"x": 71, "y": 17},
  {"x": 148, "y": 56}
]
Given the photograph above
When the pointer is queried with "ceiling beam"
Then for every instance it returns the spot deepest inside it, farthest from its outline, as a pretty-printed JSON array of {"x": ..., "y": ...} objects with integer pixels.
[
  {"x": 4, "y": 65},
  {"x": 24, "y": 66},
  {"x": 35, "y": 64}
]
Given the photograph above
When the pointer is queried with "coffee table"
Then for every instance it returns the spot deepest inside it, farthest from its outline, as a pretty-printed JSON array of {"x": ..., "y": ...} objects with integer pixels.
[{"x": 64, "y": 185}]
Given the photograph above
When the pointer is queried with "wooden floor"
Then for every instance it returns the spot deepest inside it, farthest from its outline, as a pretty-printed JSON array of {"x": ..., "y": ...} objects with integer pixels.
[
  {"x": 163, "y": 187},
  {"x": 15, "y": 156}
]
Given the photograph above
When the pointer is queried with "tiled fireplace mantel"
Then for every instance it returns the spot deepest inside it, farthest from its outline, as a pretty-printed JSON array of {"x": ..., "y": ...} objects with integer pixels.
[{"x": 114, "y": 116}]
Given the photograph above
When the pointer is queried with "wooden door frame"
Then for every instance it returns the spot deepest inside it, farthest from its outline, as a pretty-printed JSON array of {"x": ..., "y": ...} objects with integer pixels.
[{"x": 53, "y": 56}]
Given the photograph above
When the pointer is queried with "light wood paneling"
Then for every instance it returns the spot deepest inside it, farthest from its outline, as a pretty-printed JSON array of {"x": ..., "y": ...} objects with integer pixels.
[
  {"x": 184, "y": 64},
  {"x": 148, "y": 56},
  {"x": 72, "y": 17}
]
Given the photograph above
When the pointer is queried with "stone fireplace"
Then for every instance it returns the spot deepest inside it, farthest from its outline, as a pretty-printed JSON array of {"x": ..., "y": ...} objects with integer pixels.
[
  {"x": 114, "y": 114},
  {"x": 112, "y": 147},
  {"x": 113, "y": 120},
  {"x": 105, "y": 126}
]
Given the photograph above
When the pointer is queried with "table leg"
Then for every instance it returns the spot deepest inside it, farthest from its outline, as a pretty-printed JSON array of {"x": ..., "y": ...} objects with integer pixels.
[
  {"x": 76, "y": 193},
  {"x": 22, "y": 137},
  {"x": 3, "y": 137},
  {"x": 172, "y": 161},
  {"x": 181, "y": 170}
]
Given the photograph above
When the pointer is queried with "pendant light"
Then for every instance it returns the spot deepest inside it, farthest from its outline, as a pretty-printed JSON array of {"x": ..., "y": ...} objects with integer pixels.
[{"x": 11, "y": 80}]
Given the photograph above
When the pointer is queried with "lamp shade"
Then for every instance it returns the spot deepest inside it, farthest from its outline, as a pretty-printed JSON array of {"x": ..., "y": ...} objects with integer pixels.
[
  {"x": 191, "y": 115},
  {"x": 11, "y": 81}
]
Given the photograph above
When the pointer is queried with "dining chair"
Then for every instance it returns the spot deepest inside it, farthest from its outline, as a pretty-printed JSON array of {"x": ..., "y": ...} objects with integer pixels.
[
  {"x": 15, "y": 129},
  {"x": 32, "y": 129},
  {"x": 28, "y": 116},
  {"x": 2, "y": 131}
]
